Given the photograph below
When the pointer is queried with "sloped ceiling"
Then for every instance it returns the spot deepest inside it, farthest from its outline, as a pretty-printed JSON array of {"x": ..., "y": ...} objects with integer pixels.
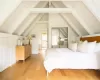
[
  {"x": 6, "y": 8},
  {"x": 16, "y": 18},
  {"x": 28, "y": 20},
  {"x": 94, "y": 6},
  {"x": 87, "y": 19},
  {"x": 72, "y": 19}
]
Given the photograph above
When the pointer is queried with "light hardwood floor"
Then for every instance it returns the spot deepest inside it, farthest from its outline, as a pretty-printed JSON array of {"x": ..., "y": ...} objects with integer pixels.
[{"x": 32, "y": 69}]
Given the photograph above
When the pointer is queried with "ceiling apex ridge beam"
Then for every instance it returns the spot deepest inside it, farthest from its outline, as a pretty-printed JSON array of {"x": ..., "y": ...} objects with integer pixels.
[
  {"x": 51, "y": 0},
  {"x": 51, "y": 10},
  {"x": 81, "y": 22},
  {"x": 43, "y": 4}
]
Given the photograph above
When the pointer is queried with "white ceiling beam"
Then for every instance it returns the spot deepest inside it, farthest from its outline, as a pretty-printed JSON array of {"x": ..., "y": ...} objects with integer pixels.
[
  {"x": 14, "y": 29},
  {"x": 64, "y": 32},
  {"x": 65, "y": 35},
  {"x": 41, "y": 4},
  {"x": 26, "y": 26},
  {"x": 90, "y": 8},
  {"x": 81, "y": 22},
  {"x": 5, "y": 11},
  {"x": 71, "y": 24},
  {"x": 68, "y": 22},
  {"x": 26, "y": 23},
  {"x": 50, "y": 10},
  {"x": 75, "y": 14},
  {"x": 13, "y": 21},
  {"x": 29, "y": 29},
  {"x": 51, "y": 0}
]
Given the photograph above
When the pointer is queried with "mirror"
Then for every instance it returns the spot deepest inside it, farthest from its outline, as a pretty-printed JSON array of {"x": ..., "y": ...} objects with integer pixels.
[{"x": 59, "y": 37}]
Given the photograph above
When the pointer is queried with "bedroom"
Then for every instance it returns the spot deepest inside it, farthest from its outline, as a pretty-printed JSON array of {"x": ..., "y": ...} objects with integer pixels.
[{"x": 34, "y": 26}]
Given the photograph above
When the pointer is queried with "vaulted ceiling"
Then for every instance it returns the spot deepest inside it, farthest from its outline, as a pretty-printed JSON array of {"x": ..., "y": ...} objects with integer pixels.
[{"x": 19, "y": 16}]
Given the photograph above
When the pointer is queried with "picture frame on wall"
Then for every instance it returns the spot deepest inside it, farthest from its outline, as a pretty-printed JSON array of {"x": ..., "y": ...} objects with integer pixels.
[{"x": 33, "y": 36}]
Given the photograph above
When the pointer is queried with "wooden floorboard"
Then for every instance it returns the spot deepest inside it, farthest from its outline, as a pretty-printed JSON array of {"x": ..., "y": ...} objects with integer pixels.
[{"x": 33, "y": 69}]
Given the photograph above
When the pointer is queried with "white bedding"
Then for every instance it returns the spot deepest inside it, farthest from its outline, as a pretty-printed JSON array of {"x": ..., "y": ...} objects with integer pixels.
[{"x": 63, "y": 58}]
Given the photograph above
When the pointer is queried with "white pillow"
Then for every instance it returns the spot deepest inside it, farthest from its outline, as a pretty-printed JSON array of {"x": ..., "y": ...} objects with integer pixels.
[
  {"x": 73, "y": 46},
  {"x": 97, "y": 47},
  {"x": 86, "y": 47},
  {"x": 91, "y": 47},
  {"x": 82, "y": 47}
]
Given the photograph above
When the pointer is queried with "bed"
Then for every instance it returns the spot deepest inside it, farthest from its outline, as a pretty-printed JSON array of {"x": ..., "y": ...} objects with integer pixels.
[{"x": 64, "y": 58}]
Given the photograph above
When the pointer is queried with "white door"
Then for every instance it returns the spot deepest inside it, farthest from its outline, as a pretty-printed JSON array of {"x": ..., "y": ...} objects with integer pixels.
[
  {"x": 35, "y": 46},
  {"x": 44, "y": 40}
]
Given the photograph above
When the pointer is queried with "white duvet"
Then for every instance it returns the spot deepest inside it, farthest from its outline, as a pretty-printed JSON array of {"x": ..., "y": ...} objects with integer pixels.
[{"x": 63, "y": 58}]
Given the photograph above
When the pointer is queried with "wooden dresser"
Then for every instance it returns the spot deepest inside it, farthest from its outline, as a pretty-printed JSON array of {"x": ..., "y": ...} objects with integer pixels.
[{"x": 23, "y": 52}]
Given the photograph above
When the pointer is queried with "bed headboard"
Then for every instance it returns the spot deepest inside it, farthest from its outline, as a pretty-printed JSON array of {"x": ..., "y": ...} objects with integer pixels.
[{"x": 90, "y": 39}]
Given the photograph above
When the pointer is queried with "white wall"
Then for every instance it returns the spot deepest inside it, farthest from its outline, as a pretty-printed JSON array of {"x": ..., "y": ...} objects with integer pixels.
[
  {"x": 71, "y": 35},
  {"x": 7, "y": 50}
]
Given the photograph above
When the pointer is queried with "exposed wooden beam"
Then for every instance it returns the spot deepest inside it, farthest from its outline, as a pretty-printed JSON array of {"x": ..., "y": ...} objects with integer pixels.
[
  {"x": 68, "y": 21},
  {"x": 70, "y": 24},
  {"x": 29, "y": 29},
  {"x": 51, "y": 0},
  {"x": 65, "y": 32},
  {"x": 81, "y": 22},
  {"x": 18, "y": 22},
  {"x": 50, "y": 10},
  {"x": 7, "y": 14},
  {"x": 29, "y": 20},
  {"x": 61, "y": 30},
  {"x": 41, "y": 4},
  {"x": 90, "y": 8},
  {"x": 75, "y": 14}
]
